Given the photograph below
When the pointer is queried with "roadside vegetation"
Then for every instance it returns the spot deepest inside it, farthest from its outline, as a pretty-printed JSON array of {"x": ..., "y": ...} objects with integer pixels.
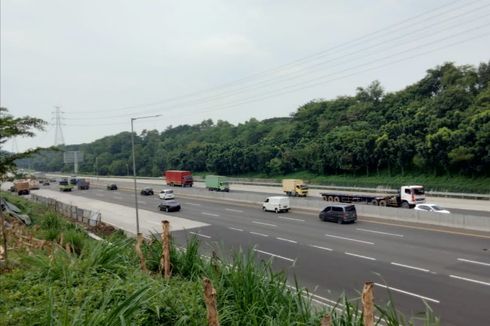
[
  {"x": 434, "y": 130},
  {"x": 71, "y": 279}
]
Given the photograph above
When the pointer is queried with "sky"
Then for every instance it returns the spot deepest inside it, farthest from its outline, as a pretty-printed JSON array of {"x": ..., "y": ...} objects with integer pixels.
[{"x": 105, "y": 62}]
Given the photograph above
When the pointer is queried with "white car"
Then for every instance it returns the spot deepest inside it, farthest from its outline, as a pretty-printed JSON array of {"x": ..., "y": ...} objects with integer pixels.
[
  {"x": 166, "y": 194},
  {"x": 431, "y": 208}
]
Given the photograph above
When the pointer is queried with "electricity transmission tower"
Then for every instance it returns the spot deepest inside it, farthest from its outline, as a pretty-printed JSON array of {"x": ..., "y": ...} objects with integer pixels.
[{"x": 58, "y": 136}]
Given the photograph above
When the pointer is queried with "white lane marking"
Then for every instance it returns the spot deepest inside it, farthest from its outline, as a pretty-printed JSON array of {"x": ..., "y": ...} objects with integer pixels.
[
  {"x": 411, "y": 267},
  {"x": 118, "y": 197},
  {"x": 359, "y": 256},
  {"x": 407, "y": 293},
  {"x": 291, "y": 219},
  {"x": 100, "y": 195},
  {"x": 379, "y": 232},
  {"x": 201, "y": 235},
  {"x": 262, "y": 223},
  {"x": 193, "y": 204},
  {"x": 142, "y": 202},
  {"x": 260, "y": 234},
  {"x": 350, "y": 239},
  {"x": 235, "y": 229},
  {"x": 209, "y": 214},
  {"x": 233, "y": 210},
  {"x": 323, "y": 248},
  {"x": 473, "y": 262},
  {"x": 287, "y": 240},
  {"x": 273, "y": 255},
  {"x": 469, "y": 280}
]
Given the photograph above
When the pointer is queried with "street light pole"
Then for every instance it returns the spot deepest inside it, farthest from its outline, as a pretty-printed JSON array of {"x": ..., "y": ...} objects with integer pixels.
[{"x": 134, "y": 171}]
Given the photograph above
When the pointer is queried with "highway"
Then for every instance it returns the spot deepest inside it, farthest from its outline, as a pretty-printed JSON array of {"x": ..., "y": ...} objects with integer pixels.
[{"x": 449, "y": 270}]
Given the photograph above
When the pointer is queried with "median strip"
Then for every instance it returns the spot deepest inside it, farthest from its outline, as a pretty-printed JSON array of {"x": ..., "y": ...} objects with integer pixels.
[
  {"x": 259, "y": 234},
  {"x": 322, "y": 248},
  {"x": 410, "y": 267},
  {"x": 407, "y": 293},
  {"x": 359, "y": 256},
  {"x": 473, "y": 262},
  {"x": 201, "y": 235},
  {"x": 350, "y": 239},
  {"x": 469, "y": 280},
  {"x": 262, "y": 223},
  {"x": 287, "y": 240},
  {"x": 380, "y": 232},
  {"x": 273, "y": 255},
  {"x": 210, "y": 214}
]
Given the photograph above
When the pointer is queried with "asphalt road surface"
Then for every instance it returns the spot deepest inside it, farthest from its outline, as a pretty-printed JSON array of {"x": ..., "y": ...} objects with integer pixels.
[{"x": 448, "y": 270}]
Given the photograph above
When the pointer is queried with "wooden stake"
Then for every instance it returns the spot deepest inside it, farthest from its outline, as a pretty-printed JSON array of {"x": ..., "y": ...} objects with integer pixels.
[
  {"x": 325, "y": 320},
  {"x": 166, "y": 250},
  {"x": 139, "y": 242},
  {"x": 368, "y": 304},
  {"x": 4, "y": 237},
  {"x": 210, "y": 300}
]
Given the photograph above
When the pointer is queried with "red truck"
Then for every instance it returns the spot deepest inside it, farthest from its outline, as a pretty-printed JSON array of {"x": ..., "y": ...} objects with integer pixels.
[{"x": 179, "y": 178}]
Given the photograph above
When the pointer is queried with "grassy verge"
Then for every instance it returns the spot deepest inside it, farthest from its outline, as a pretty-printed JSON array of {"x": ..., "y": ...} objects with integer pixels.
[
  {"x": 434, "y": 183},
  {"x": 100, "y": 283}
]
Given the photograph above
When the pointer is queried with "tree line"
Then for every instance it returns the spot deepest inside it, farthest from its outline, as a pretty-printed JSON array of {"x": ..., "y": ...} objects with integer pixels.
[{"x": 439, "y": 125}]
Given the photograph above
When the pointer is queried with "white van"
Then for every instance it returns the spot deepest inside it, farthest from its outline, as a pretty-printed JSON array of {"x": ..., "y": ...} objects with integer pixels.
[
  {"x": 166, "y": 194},
  {"x": 276, "y": 204}
]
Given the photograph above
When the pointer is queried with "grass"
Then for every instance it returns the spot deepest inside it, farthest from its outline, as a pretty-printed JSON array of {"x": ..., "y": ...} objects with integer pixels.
[{"x": 100, "y": 283}]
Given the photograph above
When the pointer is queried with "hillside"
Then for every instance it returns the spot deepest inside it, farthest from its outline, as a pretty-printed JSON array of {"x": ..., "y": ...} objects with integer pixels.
[{"x": 437, "y": 126}]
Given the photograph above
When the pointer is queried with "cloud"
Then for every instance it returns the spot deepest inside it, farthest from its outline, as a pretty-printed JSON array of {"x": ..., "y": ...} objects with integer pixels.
[{"x": 228, "y": 45}]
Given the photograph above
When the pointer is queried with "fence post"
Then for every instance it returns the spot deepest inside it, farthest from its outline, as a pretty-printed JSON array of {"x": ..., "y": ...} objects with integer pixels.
[
  {"x": 165, "y": 258},
  {"x": 210, "y": 299},
  {"x": 368, "y": 304},
  {"x": 137, "y": 248},
  {"x": 325, "y": 320}
]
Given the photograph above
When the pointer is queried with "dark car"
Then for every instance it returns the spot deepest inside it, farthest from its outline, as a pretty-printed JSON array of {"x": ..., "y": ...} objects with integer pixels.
[
  {"x": 339, "y": 213},
  {"x": 46, "y": 183},
  {"x": 73, "y": 180},
  {"x": 63, "y": 182},
  {"x": 169, "y": 205},
  {"x": 147, "y": 191},
  {"x": 112, "y": 186}
]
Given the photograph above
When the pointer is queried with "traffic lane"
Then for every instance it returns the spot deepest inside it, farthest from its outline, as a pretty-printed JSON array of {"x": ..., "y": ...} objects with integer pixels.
[
  {"x": 331, "y": 273},
  {"x": 402, "y": 253},
  {"x": 457, "y": 206},
  {"x": 425, "y": 251}
]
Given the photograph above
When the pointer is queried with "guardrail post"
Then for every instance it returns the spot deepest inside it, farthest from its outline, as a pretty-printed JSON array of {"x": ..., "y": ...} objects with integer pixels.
[
  {"x": 165, "y": 258},
  {"x": 368, "y": 304},
  {"x": 325, "y": 320},
  {"x": 210, "y": 300}
]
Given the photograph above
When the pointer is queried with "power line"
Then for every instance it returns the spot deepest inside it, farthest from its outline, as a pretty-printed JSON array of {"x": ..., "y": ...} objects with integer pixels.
[{"x": 372, "y": 35}]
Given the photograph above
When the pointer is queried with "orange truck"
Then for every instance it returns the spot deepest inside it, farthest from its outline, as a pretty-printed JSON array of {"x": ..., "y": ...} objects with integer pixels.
[
  {"x": 22, "y": 187},
  {"x": 178, "y": 178}
]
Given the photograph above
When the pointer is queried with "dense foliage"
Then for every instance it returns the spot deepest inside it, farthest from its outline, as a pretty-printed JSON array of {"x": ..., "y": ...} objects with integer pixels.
[
  {"x": 11, "y": 127},
  {"x": 437, "y": 126}
]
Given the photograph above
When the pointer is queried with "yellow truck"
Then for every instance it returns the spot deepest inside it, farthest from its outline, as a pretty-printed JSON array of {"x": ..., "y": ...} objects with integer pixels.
[{"x": 294, "y": 187}]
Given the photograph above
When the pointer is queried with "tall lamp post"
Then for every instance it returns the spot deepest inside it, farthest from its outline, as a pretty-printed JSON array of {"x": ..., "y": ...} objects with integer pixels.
[{"x": 134, "y": 170}]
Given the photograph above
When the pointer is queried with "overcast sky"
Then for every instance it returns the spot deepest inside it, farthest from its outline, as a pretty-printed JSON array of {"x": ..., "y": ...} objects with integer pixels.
[{"x": 103, "y": 62}]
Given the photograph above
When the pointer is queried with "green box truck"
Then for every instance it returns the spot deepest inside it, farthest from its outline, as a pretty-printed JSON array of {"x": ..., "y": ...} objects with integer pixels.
[{"x": 217, "y": 183}]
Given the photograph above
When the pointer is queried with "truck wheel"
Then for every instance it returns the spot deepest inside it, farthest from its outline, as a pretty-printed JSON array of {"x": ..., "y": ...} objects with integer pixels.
[
  {"x": 382, "y": 203},
  {"x": 336, "y": 199},
  {"x": 405, "y": 205},
  {"x": 330, "y": 198},
  {"x": 276, "y": 210},
  {"x": 263, "y": 208},
  {"x": 374, "y": 202}
]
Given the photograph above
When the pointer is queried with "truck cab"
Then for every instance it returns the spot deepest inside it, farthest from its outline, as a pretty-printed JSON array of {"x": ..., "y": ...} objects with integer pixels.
[
  {"x": 294, "y": 187},
  {"x": 410, "y": 196}
]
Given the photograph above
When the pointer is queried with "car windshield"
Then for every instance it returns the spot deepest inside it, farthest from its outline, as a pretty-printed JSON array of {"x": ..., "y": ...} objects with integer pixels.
[
  {"x": 418, "y": 191},
  {"x": 437, "y": 208},
  {"x": 350, "y": 208}
]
